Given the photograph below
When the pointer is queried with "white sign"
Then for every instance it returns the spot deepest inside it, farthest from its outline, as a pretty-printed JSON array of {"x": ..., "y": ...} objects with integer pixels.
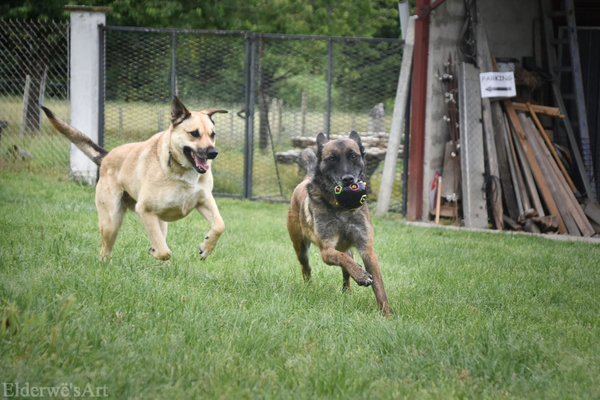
[{"x": 497, "y": 84}]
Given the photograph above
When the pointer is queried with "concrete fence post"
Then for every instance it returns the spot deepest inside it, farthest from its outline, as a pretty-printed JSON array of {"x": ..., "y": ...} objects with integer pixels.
[{"x": 85, "y": 84}]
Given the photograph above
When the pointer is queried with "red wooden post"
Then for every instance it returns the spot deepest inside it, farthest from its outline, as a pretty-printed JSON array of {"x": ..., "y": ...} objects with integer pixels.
[{"x": 414, "y": 209}]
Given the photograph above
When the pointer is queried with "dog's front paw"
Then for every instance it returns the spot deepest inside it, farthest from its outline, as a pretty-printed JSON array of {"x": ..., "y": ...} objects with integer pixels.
[
  {"x": 204, "y": 252},
  {"x": 207, "y": 246},
  {"x": 163, "y": 257},
  {"x": 365, "y": 279}
]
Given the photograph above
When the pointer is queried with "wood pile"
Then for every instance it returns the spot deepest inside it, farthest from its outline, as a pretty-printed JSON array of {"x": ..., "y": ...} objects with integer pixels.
[
  {"x": 527, "y": 184},
  {"x": 537, "y": 191},
  {"x": 545, "y": 193}
]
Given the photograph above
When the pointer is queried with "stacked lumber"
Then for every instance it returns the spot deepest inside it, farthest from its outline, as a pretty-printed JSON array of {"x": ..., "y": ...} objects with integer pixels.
[
  {"x": 448, "y": 194},
  {"x": 538, "y": 193},
  {"x": 545, "y": 192},
  {"x": 527, "y": 186}
]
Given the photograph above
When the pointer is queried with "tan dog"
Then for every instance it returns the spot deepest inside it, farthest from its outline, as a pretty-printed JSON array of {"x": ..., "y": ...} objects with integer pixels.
[
  {"x": 162, "y": 179},
  {"x": 315, "y": 217}
]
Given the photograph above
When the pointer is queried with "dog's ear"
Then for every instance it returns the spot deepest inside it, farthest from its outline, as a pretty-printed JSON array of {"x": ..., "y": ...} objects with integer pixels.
[
  {"x": 212, "y": 111},
  {"x": 354, "y": 136},
  {"x": 178, "y": 111},
  {"x": 321, "y": 140}
]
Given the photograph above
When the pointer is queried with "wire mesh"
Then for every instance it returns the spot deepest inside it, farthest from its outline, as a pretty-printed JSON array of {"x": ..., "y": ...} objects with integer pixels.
[
  {"x": 34, "y": 70},
  {"x": 280, "y": 91}
]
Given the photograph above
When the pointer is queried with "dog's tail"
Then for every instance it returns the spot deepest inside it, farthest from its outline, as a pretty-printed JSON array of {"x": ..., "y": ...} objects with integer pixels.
[
  {"x": 308, "y": 160},
  {"x": 83, "y": 143}
]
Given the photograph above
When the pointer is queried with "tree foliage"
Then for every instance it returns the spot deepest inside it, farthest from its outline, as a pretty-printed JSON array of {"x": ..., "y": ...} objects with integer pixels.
[
  {"x": 277, "y": 69},
  {"x": 367, "y": 18}
]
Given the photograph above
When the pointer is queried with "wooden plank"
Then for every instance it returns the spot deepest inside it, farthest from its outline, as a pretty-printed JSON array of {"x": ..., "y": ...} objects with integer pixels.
[
  {"x": 539, "y": 176},
  {"x": 451, "y": 173},
  {"x": 491, "y": 160},
  {"x": 565, "y": 197},
  {"x": 471, "y": 153},
  {"x": 546, "y": 110},
  {"x": 447, "y": 210},
  {"x": 515, "y": 171},
  {"x": 504, "y": 163},
  {"x": 530, "y": 226},
  {"x": 551, "y": 147},
  {"x": 438, "y": 200},
  {"x": 495, "y": 192},
  {"x": 525, "y": 208},
  {"x": 548, "y": 223},
  {"x": 391, "y": 157},
  {"x": 532, "y": 191},
  {"x": 550, "y": 180},
  {"x": 557, "y": 195},
  {"x": 512, "y": 223},
  {"x": 451, "y": 165}
]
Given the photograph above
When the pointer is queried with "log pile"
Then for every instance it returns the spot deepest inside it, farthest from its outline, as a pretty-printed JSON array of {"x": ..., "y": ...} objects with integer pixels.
[{"x": 369, "y": 139}]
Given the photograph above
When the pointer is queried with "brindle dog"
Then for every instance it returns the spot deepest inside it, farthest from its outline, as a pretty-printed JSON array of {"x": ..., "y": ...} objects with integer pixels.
[{"x": 314, "y": 216}]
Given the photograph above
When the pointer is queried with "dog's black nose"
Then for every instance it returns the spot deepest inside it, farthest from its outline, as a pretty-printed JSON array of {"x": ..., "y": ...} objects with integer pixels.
[
  {"x": 347, "y": 180},
  {"x": 212, "y": 153}
]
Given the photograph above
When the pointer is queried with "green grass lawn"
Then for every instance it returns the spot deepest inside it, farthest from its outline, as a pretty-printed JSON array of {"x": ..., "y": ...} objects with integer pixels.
[{"x": 476, "y": 315}]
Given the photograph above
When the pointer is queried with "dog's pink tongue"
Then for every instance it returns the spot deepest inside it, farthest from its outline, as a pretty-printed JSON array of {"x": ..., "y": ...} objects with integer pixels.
[{"x": 200, "y": 162}]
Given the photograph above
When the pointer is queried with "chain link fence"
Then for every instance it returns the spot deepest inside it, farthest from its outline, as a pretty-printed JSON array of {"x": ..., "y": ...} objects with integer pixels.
[
  {"x": 280, "y": 91},
  {"x": 34, "y": 70}
]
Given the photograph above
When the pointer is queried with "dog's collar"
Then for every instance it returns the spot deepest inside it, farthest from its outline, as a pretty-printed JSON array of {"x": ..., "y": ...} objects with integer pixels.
[{"x": 170, "y": 159}]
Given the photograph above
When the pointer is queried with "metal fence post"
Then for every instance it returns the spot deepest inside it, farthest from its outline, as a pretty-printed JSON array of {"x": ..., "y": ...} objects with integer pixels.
[
  {"x": 329, "y": 83},
  {"x": 173, "y": 64},
  {"x": 249, "y": 115}
]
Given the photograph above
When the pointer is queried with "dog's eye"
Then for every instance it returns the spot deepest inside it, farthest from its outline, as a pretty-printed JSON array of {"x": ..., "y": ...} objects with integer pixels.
[
  {"x": 212, "y": 135},
  {"x": 352, "y": 155},
  {"x": 195, "y": 133},
  {"x": 331, "y": 158}
]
